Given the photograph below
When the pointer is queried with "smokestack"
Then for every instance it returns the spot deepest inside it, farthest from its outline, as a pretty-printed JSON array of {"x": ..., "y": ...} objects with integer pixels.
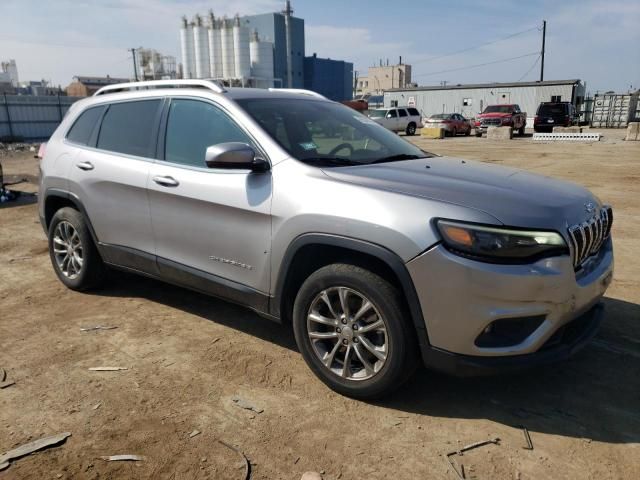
[
  {"x": 400, "y": 59},
  {"x": 287, "y": 26}
]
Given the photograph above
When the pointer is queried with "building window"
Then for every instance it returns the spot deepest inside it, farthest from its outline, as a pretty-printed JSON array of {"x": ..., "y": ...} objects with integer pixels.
[
  {"x": 394, "y": 103},
  {"x": 556, "y": 98},
  {"x": 467, "y": 102}
]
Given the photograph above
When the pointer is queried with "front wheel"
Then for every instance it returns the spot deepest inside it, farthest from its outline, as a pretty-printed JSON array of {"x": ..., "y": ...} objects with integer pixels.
[
  {"x": 411, "y": 129},
  {"x": 353, "y": 331},
  {"x": 74, "y": 256}
]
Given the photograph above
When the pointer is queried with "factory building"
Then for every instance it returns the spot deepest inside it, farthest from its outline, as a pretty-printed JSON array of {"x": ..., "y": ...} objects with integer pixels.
[
  {"x": 469, "y": 100},
  {"x": 152, "y": 65},
  {"x": 331, "y": 78},
  {"x": 259, "y": 50}
]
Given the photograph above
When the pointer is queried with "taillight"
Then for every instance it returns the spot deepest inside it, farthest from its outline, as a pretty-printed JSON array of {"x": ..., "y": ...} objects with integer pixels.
[
  {"x": 536, "y": 120},
  {"x": 41, "y": 150}
]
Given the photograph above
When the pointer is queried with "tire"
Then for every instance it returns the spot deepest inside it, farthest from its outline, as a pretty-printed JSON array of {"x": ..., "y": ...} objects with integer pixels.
[
  {"x": 411, "y": 129},
  {"x": 343, "y": 336},
  {"x": 468, "y": 132},
  {"x": 84, "y": 270},
  {"x": 478, "y": 134}
]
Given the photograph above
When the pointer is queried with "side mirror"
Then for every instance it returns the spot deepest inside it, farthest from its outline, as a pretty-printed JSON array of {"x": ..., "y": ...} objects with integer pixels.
[{"x": 234, "y": 156}]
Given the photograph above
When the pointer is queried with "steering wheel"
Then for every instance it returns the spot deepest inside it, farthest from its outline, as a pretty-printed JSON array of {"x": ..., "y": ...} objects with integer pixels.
[{"x": 337, "y": 148}]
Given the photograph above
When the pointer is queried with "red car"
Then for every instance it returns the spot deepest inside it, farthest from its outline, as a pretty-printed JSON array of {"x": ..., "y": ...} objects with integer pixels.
[
  {"x": 452, "y": 123},
  {"x": 501, "y": 116}
]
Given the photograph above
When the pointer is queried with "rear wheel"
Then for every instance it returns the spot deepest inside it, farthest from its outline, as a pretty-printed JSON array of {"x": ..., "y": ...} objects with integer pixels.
[
  {"x": 353, "y": 331},
  {"x": 467, "y": 132},
  {"x": 478, "y": 134},
  {"x": 74, "y": 256},
  {"x": 411, "y": 129}
]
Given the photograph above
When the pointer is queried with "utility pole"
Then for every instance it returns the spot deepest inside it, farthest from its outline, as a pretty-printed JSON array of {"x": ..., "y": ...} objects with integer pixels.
[
  {"x": 544, "y": 35},
  {"x": 135, "y": 67}
]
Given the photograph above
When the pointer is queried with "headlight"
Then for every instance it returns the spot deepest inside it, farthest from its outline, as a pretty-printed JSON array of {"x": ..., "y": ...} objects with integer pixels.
[{"x": 499, "y": 245}]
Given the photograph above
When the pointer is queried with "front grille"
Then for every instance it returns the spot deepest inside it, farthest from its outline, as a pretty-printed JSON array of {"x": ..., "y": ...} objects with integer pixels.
[
  {"x": 492, "y": 121},
  {"x": 588, "y": 237}
]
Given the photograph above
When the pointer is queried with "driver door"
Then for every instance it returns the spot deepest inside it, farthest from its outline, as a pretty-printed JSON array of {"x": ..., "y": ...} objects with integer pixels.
[{"x": 207, "y": 222}]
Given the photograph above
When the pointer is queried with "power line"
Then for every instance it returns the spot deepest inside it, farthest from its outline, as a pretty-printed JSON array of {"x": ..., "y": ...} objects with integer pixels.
[
  {"x": 477, "y": 65},
  {"x": 529, "y": 71},
  {"x": 438, "y": 57}
]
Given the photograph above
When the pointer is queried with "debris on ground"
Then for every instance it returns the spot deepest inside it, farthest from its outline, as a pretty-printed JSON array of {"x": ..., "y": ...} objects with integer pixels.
[
  {"x": 527, "y": 438},
  {"x": 4, "y": 383},
  {"x": 107, "y": 369},
  {"x": 461, "y": 473},
  {"x": 245, "y": 460},
  {"x": 123, "y": 458},
  {"x": 243, "y": 403},
  {"x": 311, "y": 476},
  {"x": 31, "y": 447},
  {"x": 98, "y": 327},
  {"x": 194, "y": 433},
  {"x": 97, "y": 406}
]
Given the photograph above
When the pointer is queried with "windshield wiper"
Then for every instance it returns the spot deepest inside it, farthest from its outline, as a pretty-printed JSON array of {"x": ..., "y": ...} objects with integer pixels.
[
  {"x": 330, "y": 161},
  {"x": 397, "y": 158}
]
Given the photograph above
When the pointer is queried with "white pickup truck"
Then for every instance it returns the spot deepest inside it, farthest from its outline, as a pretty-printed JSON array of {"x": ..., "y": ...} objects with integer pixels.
[{"x": 397, "y": 119}]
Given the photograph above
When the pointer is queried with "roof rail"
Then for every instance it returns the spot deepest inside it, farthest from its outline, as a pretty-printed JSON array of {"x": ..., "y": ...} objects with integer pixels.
[
  {"x": 301, "y": 91},
  {"x": 153, "y": 84}
]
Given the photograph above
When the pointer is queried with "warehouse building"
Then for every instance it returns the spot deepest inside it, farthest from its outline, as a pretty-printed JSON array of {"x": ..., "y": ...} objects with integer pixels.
[
  {"x": 469, "y": 100},
  {"x": 331, "y": 78}
]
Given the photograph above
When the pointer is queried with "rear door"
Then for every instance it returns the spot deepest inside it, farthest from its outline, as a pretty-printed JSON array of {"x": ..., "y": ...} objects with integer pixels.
[
  {"x": 403, "y": 119},
  {"x": 109, "y": 175},
  {"x": 208, "y": 222}
]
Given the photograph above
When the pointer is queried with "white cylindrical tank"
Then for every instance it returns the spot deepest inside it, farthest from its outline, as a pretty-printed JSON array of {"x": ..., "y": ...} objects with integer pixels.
[
  {"x": 241, "y": 50},
  {"x": 215, "y": 50},
  {"x": 201, "y": 48},
  {"x": 226, "y": 44},
  {"x": 186, "y": 47},
  {"x": 261, "y": 61}
]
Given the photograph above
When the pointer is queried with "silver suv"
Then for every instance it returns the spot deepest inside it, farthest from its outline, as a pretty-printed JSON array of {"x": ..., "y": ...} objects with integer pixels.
[{"x": 376, "y": 252}]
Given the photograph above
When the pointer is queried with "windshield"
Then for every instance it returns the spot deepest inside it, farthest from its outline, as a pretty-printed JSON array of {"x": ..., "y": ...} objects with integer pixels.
[
  {"x": 377, "y": 113},
  {"x": 498, "y": 109},
  {"x": 328, "y": 134}
]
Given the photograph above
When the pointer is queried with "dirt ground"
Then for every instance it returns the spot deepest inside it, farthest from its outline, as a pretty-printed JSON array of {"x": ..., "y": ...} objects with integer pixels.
[{"x": 188, "y": 355}]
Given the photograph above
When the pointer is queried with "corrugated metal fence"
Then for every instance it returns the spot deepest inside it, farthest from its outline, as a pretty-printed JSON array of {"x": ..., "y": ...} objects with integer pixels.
[{"x": 30, "y": 117}]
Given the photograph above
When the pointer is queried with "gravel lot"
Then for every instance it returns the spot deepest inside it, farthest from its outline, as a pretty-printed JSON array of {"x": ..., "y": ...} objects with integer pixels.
[{"x": 188, "y": 356}]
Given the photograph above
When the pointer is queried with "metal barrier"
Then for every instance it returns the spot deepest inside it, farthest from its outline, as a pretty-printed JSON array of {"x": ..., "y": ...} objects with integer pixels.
[
  {"x": 566, "y": 137},
  {"x": 30, "y": 117}
]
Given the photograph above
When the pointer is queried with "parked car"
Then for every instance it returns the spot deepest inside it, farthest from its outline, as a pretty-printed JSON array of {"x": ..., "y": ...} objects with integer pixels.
[
  {"x": 452, "y": 123},
  {"x": 555, "y": 114},
  {"x": 376, "y": 252},
  {"x": 400, "y": 119},
  {"x": 501, "y": 116}
]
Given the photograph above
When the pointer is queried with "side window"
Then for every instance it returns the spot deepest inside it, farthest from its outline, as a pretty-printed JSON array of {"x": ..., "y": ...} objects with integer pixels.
[
  {"x": 393, "y": 113},
  {"x": 516, "y": 108},
  {"x": 414, "y": 112},
  {"x": 402, "y": 112},
  {"x": 128, "y": 127},
  {"x": 83, "y": 127},
  {"x": 193, "y": 126}
]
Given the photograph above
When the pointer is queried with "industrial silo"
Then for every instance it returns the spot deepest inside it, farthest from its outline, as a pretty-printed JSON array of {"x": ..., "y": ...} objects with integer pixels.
[
  {"x": 241, "y": 49},
  {"x": 215, "y": 48},
  {"x": 228, "y": 60},
  {"x": 261, "y": 61},
  {"x": 201, "y": 48},
  {"x": 186, "y": 47}
]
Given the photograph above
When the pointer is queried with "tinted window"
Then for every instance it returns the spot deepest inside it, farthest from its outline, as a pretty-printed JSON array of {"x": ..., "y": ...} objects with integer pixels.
[
  {"x": 413, "y": 111},
  {"x": 128, "y": 127},
  {"x": 403, "y": 113},
  {"x": 393, "y": 113},
  {"x": 552, "y": 109},
  {"x": 194, "y": 125},
  {"x": 84, "y": 125}
]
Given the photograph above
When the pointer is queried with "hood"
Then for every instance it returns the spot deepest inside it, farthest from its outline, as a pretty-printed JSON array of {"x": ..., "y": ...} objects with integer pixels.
[
  {"x": 514, "y": 197},
  {"x": 495, "y": 115}
]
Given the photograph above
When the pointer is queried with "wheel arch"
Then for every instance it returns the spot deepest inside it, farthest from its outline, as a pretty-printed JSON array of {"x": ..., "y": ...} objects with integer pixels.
[
  {"x": 56, "y": 199},
  {"x": 309, "y": 252}
]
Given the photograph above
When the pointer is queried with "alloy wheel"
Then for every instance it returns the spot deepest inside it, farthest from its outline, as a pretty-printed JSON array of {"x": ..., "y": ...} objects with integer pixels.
[
  {"x": 67, "y": 249},
  {"x": 347, "y": 333}
]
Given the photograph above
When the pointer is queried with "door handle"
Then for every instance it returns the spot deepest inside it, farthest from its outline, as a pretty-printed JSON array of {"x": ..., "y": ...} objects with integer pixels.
[
  {"x": 166, "y": 181},
  {"x": 85, "y": 166}
]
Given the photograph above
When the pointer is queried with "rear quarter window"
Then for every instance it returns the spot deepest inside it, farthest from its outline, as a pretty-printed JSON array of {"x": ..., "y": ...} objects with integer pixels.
[
  {"x": 128, "y": 127},
  {"x": 84, "y": 125},
  {"x": 413, "y": 111}
]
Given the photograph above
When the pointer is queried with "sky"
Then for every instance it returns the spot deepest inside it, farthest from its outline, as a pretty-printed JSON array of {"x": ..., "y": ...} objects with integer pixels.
[{"x": 457, "y": 42}]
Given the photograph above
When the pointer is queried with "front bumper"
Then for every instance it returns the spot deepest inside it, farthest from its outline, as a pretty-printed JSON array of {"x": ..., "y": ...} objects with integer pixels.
[{"x": 460, "y": 298}]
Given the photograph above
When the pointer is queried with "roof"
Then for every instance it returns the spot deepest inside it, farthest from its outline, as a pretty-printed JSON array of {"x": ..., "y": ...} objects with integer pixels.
[
  {"x": 99, "y": 81},
  {"x": 488, "y": 85}
]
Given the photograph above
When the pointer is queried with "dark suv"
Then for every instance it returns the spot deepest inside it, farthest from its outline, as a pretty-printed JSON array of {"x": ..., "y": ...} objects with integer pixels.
[{"x": 554, "y": 114}]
